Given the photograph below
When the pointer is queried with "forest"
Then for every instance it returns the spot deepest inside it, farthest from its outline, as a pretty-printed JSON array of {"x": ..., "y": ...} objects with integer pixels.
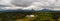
[{"x": 21, "y": 16}]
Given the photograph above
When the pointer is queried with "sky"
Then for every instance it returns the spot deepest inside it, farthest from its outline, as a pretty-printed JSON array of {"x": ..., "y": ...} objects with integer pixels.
[{"x": 30, "y": 4}]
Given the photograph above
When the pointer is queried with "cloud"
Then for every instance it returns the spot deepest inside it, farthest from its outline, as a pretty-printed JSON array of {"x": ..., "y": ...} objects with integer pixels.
[{"x": 36, "y": 5}]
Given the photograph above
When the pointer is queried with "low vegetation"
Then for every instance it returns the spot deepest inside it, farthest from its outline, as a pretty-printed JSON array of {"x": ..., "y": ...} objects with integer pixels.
[{"x": 18, "y": 16}]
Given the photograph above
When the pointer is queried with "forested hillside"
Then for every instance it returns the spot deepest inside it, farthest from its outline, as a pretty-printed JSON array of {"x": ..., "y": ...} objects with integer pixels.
[{"x": 17, "y": 16}]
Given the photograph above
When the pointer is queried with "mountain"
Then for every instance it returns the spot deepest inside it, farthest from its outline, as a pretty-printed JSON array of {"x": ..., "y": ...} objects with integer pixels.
[{"x": 20, "y": 10}]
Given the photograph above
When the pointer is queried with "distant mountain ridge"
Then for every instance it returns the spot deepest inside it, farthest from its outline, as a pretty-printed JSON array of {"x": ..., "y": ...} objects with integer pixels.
[{"x": 44, "y": 10}]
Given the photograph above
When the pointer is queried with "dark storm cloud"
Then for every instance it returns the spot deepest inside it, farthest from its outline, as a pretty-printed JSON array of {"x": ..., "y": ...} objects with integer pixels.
[
  {"x": 22, "y": 3},
  {"x": 5, "y": 6}
]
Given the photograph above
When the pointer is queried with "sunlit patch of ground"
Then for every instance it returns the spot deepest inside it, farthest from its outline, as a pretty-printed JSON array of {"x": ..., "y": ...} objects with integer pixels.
[
  {"x": 59, "y": 19},
  {"x": 27, "y": 18}
]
